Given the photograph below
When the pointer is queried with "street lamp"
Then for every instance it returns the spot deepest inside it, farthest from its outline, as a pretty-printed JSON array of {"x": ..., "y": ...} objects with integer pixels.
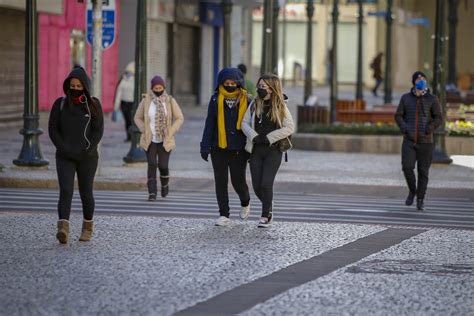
[
  {"x": 439, "y": 88},
  {"x": 308, "y": 87},
  {"x": 267, "y": 35},
  {"x": 388, "y": 54},
  {"x": 335, "y": 17},
  {"x": 276, "y": 11},
  {"x": 453, "y": 22},
  {"x": 360, "y": 21},
  {"x": 227, "y": 9},
  {"x": 136, "y": 154},
  {"x": 30, "y": 154}
]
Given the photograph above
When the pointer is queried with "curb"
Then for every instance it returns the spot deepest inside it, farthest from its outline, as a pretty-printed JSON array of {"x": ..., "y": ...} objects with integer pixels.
[{"x": 206, "y": 185}]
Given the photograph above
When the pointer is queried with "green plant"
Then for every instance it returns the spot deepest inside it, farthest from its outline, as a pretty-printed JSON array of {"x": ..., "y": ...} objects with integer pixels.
[{"x": 354, "y": 129}]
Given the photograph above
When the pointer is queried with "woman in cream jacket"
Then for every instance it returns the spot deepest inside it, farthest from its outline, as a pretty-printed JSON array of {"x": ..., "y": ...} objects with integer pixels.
[
  {"x": 266, "y": 122},
  {"x": 158, "y": 118}
]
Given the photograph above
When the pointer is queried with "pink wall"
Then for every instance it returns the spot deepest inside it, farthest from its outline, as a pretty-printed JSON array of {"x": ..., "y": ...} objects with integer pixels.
[{"x": 54, "y": 54}]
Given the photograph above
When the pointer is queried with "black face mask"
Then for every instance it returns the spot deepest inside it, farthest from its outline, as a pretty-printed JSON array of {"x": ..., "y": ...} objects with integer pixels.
[
  {"x": 230, "y": 88},
  {"x": 262, "y": 93},
  {"x": 76, "y": 93},
  {"x": 158, "y": 93}
]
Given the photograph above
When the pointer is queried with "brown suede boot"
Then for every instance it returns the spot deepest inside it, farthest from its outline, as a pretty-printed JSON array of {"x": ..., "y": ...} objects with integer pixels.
[
  {"x": 63, "y": 231},
  {"x": 87, "y": 229}
]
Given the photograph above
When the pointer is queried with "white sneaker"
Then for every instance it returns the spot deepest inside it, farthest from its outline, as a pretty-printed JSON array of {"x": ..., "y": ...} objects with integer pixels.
[
  {"x": 244, "y": 212},
  {"x": 222, "y": 221},
  {"x": 265, "y": 222}
]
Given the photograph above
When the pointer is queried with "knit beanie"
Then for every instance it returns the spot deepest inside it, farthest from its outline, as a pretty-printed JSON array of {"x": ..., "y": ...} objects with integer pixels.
[
  {"x": 157, "y": 80},
  {"x": 416, "y": 75}
]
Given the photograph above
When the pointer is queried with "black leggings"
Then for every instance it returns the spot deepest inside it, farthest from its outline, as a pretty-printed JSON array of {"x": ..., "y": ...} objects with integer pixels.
[
  {"x": 264, "y": 164},
  {"x": 421, "y": 154},
  {"x": 127, "y": 108},
  {"x": 85, "y": 170},
  {"x": 234, "y": 161},
  {"x": 156, "y": 150}
]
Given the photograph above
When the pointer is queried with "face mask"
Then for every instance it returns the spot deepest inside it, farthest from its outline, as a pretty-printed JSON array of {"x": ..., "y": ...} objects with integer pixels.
[
  {"x": 262, "y": 93},
  {"x": 76, "y": 93},
  {"x": 158, "y": 93},
  {"x": 230, "y": 88},
  {"x": 421, "y": 85}
]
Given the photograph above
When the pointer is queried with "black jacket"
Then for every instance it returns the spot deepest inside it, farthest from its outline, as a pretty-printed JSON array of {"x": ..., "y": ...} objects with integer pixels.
[
  {"x": 75, "y": 131},
  {"x": 429, "y": 116},
  {"x": 235, "y": 138}
]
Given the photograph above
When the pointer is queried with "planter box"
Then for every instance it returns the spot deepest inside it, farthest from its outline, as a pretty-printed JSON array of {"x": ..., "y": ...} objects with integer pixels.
[{"x": 376, "y": 144}]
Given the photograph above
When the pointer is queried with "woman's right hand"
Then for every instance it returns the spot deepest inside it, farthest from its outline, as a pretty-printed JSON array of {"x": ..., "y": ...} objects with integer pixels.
[{"x": 205, "y": 156}]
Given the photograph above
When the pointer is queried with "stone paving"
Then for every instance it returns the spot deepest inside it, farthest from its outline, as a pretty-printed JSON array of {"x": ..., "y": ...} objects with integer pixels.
[
  {"x": 145, "y": 265},
  {"x": 429, "y": 274},
  {"x": 157, "y": 266}
]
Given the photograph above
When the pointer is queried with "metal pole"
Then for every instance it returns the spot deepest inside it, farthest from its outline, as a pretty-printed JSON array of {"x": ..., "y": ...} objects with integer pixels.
[
  {"x": 335, "y": 16},
  {"x": 360, "y": 21},
  {"x": 30, "y": 154},
  {"x": 136, "y": 154},
  {"x": 283, "y": 44},
  {"x": 276, "y": 11},
  {"x": 97, "y": 57},
  {"x": 227, "y": 9},
  {"x": 388, "y": 54},
  {"x": 266, "y": 66},
  {"x": 308, "y": 81},
  {"x": 97, "y": 49},
  {"x": 439, "y": 87},
  {"x": 453, "y": 22}
]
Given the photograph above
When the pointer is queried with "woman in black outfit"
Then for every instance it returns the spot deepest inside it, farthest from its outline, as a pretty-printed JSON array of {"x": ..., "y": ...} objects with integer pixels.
[
  {"x": 266, "y": 122},
  {"x": 75, "y": 127}
]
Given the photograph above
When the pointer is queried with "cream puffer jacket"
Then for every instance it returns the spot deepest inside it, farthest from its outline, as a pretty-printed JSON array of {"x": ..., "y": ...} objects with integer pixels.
[
  {"x": 248, "y": 127},
  {"x": 174, "y": 116}
]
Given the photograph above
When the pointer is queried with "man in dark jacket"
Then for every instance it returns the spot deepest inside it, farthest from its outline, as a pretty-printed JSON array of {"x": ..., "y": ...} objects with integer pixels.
[
  {"x": 417, "y": 116},
  {"x": 376, "y": 67}
]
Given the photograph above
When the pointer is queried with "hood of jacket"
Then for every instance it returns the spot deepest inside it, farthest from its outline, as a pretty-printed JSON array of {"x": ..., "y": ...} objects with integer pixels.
[
  {"x": 78, "y": 73},
  {"x": 233, "y": 74}
]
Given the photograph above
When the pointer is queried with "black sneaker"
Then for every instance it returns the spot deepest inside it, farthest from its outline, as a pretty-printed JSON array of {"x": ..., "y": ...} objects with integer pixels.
[
  {"x": 410, "y": 199},
  {"x": 152, "y": 197},
  {"x": 420, "y": 206},
  {"x": 165, "y": 190},
  {"x": 265, "y": 222}
]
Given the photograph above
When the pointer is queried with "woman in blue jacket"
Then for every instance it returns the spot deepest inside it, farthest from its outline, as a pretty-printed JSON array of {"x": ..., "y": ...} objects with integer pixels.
[{"x": 224, "y": 140}]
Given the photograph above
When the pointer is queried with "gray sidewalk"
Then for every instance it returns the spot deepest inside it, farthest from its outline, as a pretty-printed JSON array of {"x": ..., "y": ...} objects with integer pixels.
[{"x": 188, "y": 171}]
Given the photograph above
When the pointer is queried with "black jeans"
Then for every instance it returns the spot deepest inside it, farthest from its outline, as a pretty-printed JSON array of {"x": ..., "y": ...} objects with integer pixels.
[
  {"x": 422, "y": 155},
  {"x": 234, "y": 161},
  {"x": 127, "y": 108},
  {"x": 85, "y": 170},
  {"x": 264, "y": 164},
  {"x": 156, "y": 150}
]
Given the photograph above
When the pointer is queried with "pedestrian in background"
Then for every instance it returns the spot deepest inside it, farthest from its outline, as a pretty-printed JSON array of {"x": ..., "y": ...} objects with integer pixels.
[
  {"x": 417, "y": 116},
  {"x": 267, "y": 122},
  {"x": 249, "y": 86},
  {"x": 224, "y": 140},
  {"x": 376, "y": 67},
  {"x": 76, "y": 127},
  {"x": 124, "y": 97},
  {"x": 158, "y": 118}
]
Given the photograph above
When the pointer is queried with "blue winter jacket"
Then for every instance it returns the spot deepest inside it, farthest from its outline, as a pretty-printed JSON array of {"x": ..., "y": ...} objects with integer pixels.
[{"x": 235, "y": 138}]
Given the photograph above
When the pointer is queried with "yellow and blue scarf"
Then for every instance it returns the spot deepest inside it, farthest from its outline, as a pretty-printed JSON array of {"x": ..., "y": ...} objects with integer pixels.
[{"x": 223, "y": 94}]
